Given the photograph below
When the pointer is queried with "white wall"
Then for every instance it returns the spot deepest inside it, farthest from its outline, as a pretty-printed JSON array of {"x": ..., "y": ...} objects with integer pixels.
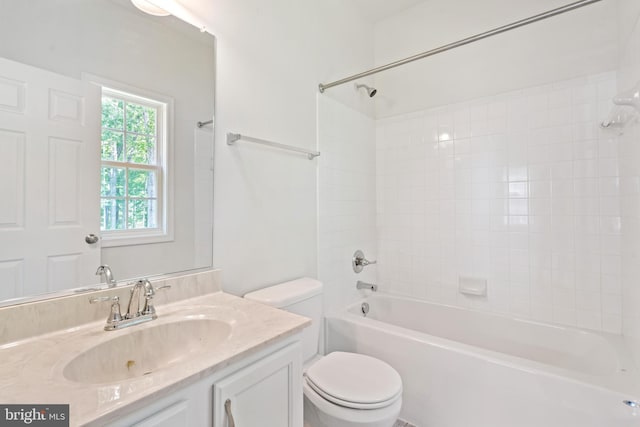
[
  {"x": 347, "y": 192},
  {"x": 491, "y": 163},
  {"x": 521, "y": 189},
  {"x": 113, "y": 40},
  {"x": 629, "y": 148},
  {"x": 578, "y": 43},
  {"x": 270, "y": 59}
]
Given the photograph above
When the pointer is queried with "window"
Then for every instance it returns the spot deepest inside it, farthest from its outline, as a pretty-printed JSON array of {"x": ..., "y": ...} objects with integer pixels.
[{"x": 133, "y": 167}]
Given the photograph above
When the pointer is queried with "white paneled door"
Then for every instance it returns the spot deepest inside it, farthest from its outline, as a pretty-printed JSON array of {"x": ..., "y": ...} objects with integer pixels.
[{"x": 49, "y": 180}]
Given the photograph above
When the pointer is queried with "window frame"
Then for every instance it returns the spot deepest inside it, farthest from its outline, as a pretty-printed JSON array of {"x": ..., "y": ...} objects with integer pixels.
[{"x": 164, "y": 165}]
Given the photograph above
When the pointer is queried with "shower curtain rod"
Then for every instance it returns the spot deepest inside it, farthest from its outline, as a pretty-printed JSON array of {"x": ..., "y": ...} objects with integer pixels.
[{"x": 521, "y": 23}]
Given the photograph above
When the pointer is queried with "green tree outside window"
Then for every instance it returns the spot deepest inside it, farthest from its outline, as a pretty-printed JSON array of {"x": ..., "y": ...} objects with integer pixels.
[{"x": 130, "y": 173}]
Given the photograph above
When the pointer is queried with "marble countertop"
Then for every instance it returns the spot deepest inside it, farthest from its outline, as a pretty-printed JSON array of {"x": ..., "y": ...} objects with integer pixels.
[{"x": 31, "y": 370}]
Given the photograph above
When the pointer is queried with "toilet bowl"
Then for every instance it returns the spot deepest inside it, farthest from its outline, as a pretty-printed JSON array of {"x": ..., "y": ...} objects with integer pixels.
[
  {"x": 349, "y": 390},
  {"x": 319, "y": 413},
  {"x": 340, "y": 389}
]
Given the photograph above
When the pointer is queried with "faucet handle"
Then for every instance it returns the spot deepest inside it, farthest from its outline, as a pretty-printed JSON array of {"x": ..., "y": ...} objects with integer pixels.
[
  {"x": 115, "y": 315},
  {"x": 358, "y": 262},
  {"x": 151, "y": 291},
  {"x": 148, "y": 297},
  {"x": 103, "y": 299}
]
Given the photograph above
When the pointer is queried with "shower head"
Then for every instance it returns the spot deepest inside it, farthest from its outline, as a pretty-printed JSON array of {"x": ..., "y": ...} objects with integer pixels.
[{"x": 370, "y": 90}]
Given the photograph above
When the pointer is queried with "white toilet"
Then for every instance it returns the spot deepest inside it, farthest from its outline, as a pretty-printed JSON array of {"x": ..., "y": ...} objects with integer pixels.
[{"x": 340, "y": 389}]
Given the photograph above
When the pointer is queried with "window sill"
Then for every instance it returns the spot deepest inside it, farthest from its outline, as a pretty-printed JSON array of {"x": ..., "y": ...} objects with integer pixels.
[{"x": 115, "y": 239}]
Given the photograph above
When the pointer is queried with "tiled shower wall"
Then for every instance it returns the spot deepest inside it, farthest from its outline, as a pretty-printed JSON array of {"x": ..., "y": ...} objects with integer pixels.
[
  {"x": 346, "y": 194},
  {"x": 629, "y": 76},
  {"x": 522, "y": 189}
]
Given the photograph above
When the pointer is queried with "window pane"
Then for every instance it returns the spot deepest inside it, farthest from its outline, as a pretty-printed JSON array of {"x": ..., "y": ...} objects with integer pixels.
[
  {"x": 112, "y": 182},
  {"x": 142, "y": 213},
  {"x": 141, "y": 149},
  {"x": 142, "y": 183},
  {"x": 112, "y": 214},
  {"x": 141, "y": 119},
  {"x": 112, "y": 145},
  {"x": 112, "y": 113},
  {"x": 129, "y": 196}
]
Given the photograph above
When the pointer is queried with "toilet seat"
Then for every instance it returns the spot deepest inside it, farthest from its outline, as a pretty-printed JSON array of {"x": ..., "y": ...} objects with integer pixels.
[
  {"x": 354, "y": 381},
  {"x": 348, "y": 404},
  {"x": 323, "y": 413}
]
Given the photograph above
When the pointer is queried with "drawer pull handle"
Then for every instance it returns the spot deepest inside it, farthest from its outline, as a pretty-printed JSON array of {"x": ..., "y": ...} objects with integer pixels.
[{"x": 227, "y": 409}]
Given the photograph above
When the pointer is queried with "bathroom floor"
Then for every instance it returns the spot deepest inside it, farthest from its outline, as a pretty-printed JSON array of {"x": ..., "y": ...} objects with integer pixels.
[{"x": 401, "y": 423}]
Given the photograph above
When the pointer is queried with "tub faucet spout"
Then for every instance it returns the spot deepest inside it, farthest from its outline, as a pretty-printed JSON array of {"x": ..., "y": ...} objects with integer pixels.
[{"x": 364, "y": 285}]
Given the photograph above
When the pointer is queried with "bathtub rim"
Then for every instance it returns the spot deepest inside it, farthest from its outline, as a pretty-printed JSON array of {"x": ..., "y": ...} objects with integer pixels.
[{"x": 625, "y": 383}]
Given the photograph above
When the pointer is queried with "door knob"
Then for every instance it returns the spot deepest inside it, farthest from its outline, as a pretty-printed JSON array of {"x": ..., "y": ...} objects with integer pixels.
[{"x": 91, "y": 239}]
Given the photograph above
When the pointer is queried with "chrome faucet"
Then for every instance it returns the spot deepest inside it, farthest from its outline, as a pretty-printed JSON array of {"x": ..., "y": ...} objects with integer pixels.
[
  {"x": 149, "y": 293},
  {"x": 364, "y": 285},
  {"x": 105, "y": 270},
  {"x": 135, "y": 295},
  {"x": 115, "y": 317},
  {"x": 139, "y": 314}
]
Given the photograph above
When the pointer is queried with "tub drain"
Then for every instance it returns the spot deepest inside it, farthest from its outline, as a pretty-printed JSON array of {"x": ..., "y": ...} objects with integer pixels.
[
  {"x": 365, "y": 309},
  {"x": 631, "y": 403}
]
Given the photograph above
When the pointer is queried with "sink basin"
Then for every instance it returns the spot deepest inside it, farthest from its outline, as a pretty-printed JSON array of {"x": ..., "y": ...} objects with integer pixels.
[{"x": 137, "y": 352}]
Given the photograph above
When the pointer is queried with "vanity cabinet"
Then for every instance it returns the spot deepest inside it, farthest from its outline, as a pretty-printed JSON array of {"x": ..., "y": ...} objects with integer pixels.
[
  {"x": 187, "y": 407},
  {"x": 267, "y": 393},
  {"x": 264, "y": 390},
  {"x": 175, "y": 415}
]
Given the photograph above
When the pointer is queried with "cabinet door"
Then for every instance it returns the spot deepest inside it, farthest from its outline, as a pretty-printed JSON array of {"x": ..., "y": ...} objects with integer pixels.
[
  {"x": 173, "y": 416},
  {"x": 267, "y": 393}
]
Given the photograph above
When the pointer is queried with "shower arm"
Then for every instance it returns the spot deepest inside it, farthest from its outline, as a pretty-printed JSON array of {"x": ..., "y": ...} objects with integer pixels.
[{"x": 521, "y": 23}]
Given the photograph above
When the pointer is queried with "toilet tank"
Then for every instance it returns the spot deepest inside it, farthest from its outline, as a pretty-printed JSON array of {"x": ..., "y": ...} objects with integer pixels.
[{"x": 300, "y": 296}]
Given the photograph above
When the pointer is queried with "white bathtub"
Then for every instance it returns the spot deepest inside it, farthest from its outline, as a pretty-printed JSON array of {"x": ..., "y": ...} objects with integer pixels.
[{"x": 465, "y": 368}]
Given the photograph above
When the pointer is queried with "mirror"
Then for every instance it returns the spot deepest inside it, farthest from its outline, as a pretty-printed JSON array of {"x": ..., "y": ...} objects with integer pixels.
[{"x": 99, "y": 135}]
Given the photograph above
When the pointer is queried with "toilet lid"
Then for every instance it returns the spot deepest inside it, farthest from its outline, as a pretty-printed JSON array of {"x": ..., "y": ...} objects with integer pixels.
[{"x": 354, "y": 380}]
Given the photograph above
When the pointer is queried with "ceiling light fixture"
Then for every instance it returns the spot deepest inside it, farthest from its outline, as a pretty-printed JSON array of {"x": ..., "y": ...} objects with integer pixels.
[{"x": 148, "y": 7}]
